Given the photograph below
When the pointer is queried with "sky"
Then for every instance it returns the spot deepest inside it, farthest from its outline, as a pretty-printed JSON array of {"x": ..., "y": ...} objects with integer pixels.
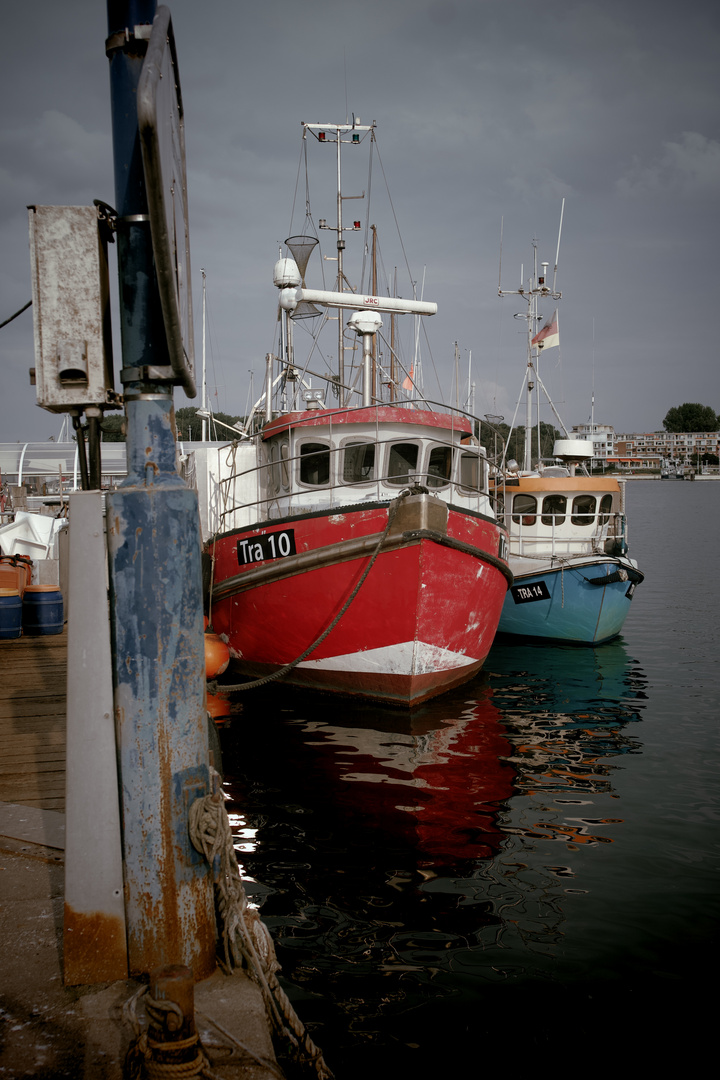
[{"x": 489, "y": 113}]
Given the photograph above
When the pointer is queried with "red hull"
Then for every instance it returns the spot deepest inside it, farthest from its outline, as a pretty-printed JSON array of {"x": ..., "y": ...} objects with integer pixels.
[{"x": 422, "y": 622}]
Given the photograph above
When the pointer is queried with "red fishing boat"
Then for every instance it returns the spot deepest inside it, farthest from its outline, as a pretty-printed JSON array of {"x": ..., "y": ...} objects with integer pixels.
[
  {"x": 402, "y": 489},
  {"x": 358, "y": 550}
]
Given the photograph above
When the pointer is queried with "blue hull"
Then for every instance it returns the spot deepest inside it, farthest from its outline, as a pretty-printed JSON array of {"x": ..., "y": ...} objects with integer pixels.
[{"x": 564, "y": 605}]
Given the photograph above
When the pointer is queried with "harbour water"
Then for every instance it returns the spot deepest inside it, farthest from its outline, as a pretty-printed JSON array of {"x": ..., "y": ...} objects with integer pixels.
[{"x": 529, "y": 864}]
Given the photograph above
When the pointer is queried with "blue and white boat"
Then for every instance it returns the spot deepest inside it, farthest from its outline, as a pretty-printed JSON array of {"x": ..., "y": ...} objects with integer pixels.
[
  {"x": 573, "y": 580},
  {"x": 567, "y": 530}
]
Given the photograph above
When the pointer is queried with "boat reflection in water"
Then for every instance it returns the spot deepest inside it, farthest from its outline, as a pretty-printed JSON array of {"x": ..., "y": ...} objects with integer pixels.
[
  {"x": 566, "y": 710},
  {"x": 408, "y": 860},
  {"x": 436, "y": 779}
]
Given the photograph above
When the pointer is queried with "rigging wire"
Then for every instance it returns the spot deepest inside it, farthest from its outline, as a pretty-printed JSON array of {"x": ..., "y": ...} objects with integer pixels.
[
  {"x": 24, "y": 308},
  {"x": 303, "y": 151},
  {"x": 392, "y": 207}
]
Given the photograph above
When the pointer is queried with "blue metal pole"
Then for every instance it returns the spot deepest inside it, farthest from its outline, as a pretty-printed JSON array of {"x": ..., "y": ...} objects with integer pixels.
[{"x": 155, "y": 584}]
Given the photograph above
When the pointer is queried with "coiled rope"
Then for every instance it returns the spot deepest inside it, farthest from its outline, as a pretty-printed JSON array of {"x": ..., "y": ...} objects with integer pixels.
[
  {"x": 214, "y": 687},
  {"x": 245, "y": 937},
  {"x": 141, "y": 1065}
]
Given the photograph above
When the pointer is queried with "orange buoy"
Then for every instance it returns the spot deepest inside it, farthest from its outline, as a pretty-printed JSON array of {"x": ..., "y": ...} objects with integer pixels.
[
  {"x": 219, "y": 707},
  {"x": 217, "y": 655}
]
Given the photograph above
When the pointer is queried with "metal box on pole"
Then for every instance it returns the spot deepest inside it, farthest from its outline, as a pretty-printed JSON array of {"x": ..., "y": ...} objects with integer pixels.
[{"x": 71, "y": 308}]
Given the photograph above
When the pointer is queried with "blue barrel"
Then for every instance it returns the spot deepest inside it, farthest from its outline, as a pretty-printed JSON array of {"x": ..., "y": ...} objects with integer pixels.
[
  {"x": 42, "y": 610},
  {"x": 10, "y": 614}
]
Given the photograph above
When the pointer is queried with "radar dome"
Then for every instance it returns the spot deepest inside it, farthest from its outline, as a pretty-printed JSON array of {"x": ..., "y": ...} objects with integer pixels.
[{"x": 286, "y": 274}]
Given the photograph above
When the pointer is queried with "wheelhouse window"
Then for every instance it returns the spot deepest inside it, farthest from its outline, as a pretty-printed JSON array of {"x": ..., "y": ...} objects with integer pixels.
[
  {"x": 524, "y": 509},
  {"x": 358, "y": 463},
  {"x": 553, "y": 509},
  {"x": 439, "y": 467},
  {"x": 314, "y": 464},
  {"x": 583, "y": 510},
  {"x": 402, "y": 465},
  {"x": 470, "y": 472},
  {"x": 605, "y": 509}
]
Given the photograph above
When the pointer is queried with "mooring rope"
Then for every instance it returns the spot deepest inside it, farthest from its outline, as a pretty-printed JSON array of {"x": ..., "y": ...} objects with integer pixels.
[
  {"x": 245, "y": 937},
  {"x": 141, "y": 1065},
  {"x": 215, "y": 687},
  {"x": 140, "y": 1062}
]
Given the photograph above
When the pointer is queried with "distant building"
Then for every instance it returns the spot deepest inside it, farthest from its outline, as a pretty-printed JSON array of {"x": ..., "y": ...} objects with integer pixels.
[
  {"x": 671, "y": 447},
  {"x": 602, "y": 437},
  {"x": 631, "y": 455},
  {"x": 649, "y": 450}
]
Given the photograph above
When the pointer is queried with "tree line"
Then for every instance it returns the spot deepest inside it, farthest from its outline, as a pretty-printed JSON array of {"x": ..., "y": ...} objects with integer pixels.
[
  {"x": 691, "y": 417},
  {"x": 493, "y": 436},
  {"x": 188, "y": 423}
]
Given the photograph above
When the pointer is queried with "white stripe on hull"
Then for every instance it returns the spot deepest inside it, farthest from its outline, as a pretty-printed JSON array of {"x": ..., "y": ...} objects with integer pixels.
[{"x": 405, "y": 658}]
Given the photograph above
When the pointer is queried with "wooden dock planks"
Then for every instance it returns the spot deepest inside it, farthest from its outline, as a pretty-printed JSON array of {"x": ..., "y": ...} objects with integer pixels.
[{"x": 33, "y": 673}]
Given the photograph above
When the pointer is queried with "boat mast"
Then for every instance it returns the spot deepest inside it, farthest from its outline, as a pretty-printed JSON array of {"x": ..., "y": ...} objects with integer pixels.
[
  {"x": 373, "y": 379},
  {"x": 537, "y": 288},
  {"x": 340, "y": 275},
  {"x": 393, "y": 365},
  {"x": 204, "y": 431},
  {"x": 355, "y": 131}
]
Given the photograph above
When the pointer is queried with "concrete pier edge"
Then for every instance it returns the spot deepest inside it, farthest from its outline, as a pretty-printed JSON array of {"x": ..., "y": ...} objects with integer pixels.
[{"x": 48, "y": 1028}]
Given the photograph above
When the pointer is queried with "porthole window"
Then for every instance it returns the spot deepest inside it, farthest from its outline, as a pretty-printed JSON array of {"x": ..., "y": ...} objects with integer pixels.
[
  {"x": 524, "y": 509},
  {"x": 439, "y": 467},
  {"x": 314, "y": 464},
  {"x": 583, "y": 510},
  {"x": 553, "y": 509},
  {"x": 605, "y": 509},
  {"x": 358, "y": 463},
  {"x": 402, "y": 465}
]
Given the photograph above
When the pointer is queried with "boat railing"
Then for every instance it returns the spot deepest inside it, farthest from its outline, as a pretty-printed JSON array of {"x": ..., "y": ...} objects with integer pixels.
[{"x": 605, "y": 535}]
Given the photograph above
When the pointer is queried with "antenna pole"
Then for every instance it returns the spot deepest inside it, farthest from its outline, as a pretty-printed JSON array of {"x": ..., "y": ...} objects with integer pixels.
[
  {"x": 557, "y": 253},
  {"x": 502, "y": 223},
  {"x": 373, "y": 377},
  {"x": 457, "y": 376},
  {"x": 203, "y": 397},
  {"x": 393, "y": 362},
  {"x": 340, "y": 246}
]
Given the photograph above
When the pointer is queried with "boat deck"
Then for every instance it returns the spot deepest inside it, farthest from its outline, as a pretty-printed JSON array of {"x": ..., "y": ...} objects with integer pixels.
[{"x": 32, "y": 721}]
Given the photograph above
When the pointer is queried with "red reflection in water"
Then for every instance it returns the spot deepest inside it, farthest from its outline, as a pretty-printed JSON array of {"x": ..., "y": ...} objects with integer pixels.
[{"x": 437, "y": 783}]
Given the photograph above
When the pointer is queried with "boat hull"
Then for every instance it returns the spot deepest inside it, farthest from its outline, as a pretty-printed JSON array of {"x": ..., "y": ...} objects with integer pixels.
[
  {"x": 583, "y": 602},
  {"x": 422, "y": 621}
]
